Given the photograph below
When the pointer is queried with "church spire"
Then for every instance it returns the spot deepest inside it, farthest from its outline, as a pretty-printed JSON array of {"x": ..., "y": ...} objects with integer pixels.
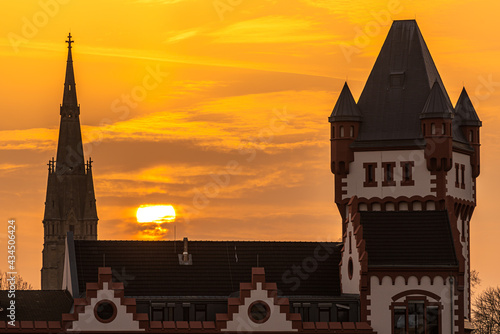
[
  {"x": 69, "y": 97},
  {"x": 70, "y": 204},
  {"x": 70, "y": 158}
]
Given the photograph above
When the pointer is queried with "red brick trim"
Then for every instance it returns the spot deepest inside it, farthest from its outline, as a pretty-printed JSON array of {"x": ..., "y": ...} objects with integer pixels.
[
  {"x": 104, "y": 276},
  {"x": 416, "y": 292}
]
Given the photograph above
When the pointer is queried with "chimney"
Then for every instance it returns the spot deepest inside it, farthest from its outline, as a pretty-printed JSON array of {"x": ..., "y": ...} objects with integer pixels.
[{"x": 185, "y": 258}]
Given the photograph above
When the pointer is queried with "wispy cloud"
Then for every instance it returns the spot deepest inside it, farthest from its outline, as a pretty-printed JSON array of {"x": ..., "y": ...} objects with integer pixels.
[{"x": 271, "y": 29}]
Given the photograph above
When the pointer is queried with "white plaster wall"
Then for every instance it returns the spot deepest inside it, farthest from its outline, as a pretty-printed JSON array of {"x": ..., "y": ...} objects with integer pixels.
[
  {"x": 356, "y": 176},
  {"x": 350, "y": 285},
  {"x": 277, "y": 321},
  {"x": 381, "y": 298},
  {"x": 467, "y": 193},
  {"x": 123, "y": 322}
]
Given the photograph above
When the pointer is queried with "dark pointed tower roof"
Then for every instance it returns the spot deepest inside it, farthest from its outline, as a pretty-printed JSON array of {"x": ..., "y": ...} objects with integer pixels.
[
  {"x": 465, "y": 112},
  {"x": 437, "y": 105},
  {"x": 397, "y": 89},
  {"x": 69, "y": 97},
  {"x": 70, "y": 158},
  {"x": 345, "y": 109}
]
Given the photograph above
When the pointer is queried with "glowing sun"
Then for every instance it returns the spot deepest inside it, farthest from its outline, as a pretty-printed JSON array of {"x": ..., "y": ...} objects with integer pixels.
[{"x": 155, "y": 214}]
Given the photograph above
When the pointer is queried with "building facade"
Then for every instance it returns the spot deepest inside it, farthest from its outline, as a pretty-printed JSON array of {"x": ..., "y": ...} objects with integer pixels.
[{"x": 405, "y": 163}]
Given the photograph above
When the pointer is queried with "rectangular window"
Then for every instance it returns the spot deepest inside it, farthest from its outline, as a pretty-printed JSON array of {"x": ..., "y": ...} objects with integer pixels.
[
  {"x": 463, "y": 176},
  {"x": 185, "y": 311},
  {"x": 200, "y": 312},
  {"x": 170, "y": 311},
  {"x": 370, "y": 180},
  {"x": 416, "y": 318},
  {"x": 157, "y": 311},
  {"x": 324, "y": 314},
  {"x": 342, "y": 313},
  {"x": 399, "y": 320},
  {"x": 388, "y": 174},
  {"x": 407, "y": 173},
  {"x": 432, "y": 320},
  {"x": 305, "y": 311},
  {"x": 457, "y": 171}
]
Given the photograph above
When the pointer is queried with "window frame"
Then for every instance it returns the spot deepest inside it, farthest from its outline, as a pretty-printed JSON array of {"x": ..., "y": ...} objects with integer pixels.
[
  {"x": 410, "y": 181},
  {"x": 388, "y": 169},
  {"x": 370, "y": 170},
  {"x": 416, "y": 299}
]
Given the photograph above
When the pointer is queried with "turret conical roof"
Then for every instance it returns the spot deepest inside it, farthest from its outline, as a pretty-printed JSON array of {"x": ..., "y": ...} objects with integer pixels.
[{"x": 345, "y": 109}]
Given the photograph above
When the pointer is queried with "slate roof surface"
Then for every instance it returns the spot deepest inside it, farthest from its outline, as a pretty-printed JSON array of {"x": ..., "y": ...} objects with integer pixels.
[
  {"x": 37, "y": 305},
  {"x": 418, "y": 238},
  {"x": 151, "y": 268},
  {"x": 397, "y": 90},
  {"x": 345, "y": 109}
]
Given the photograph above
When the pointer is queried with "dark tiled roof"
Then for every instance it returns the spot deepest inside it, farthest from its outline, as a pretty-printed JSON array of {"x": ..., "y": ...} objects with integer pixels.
[
  {"x": 345, "y": 109},
  {"x": 418, "y": 238},
  {"x": 465, "y": 112},
  {"x": 151, "y": 268},
  {"x": 37, "y": 305},
  {"x": 397, "y": 88},
  {"x": 437, "y": 105}
]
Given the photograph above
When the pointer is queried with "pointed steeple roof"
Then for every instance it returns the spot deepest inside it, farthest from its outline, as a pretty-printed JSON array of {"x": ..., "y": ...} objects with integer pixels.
[
  {"x": 69, "y": 96},
  {"x": 465, "y": 112},
  {"x": 70, "y": 158},
  {"x": 345, "y": 109},
  {"x": 437, "y": 105},
  {"x": 397, "y": 89}
]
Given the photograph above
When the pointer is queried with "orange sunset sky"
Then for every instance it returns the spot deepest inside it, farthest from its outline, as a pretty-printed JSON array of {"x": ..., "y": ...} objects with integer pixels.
[{"x": 241, "y": 89}]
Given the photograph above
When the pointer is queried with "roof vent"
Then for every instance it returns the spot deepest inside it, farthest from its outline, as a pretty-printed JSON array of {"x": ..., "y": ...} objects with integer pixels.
[{"x": 185, "y": 258}]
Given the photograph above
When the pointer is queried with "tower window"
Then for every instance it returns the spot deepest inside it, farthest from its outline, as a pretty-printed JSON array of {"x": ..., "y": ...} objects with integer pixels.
[
  {"x": 407, "y": 173},
  {"x": 333, "y": 131},
  {"x": 388, "y": 174},
  {"x": 471, "y": 136},
  {"x": 370, "y": 174},
  {"x": 341, "y": 131},
  {"x": 352, "y": 132},
  {"x": 433, "y": 129},
  {"x": 443, "y": 129},
  {"x": 463, "y": 176}
]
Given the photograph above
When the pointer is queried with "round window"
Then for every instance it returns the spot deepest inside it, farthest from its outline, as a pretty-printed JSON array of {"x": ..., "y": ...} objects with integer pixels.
[
  {"x": 350, "y": 268},
  {"x": 259, "y": 311},
  {"x": 105, "y": 311}
]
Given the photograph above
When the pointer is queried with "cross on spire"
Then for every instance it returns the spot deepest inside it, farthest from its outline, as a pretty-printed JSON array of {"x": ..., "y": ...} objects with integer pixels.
[{"x": 69, "y": 41}]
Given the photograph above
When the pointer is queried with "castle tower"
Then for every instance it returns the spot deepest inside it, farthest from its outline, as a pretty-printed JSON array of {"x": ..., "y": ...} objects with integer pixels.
[
  {"x": 405, "y": 167},
  {"x": 70, "y": 200}
]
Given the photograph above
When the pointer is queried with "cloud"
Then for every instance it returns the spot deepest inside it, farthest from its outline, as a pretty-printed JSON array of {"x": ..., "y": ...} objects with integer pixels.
[{"x": 270, "y": 29}]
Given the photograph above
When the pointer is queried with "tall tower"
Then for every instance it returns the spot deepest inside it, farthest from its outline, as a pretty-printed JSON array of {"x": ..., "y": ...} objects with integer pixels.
[
  {"x": 405, "y": 163},
  {"x": 70, "y": 203}
]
